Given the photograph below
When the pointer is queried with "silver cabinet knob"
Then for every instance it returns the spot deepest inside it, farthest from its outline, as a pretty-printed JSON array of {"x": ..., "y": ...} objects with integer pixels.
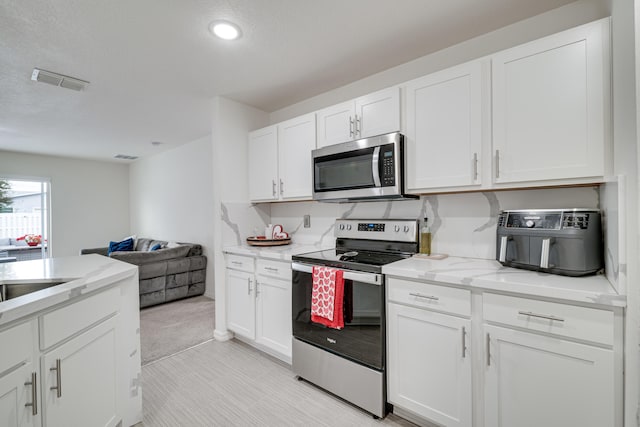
[
  {"x": 348, "y": 226},
  {"x": 396, "y": 228},
  {"x": 341, "y": 226},
  {"x": 406, "y": 228}
]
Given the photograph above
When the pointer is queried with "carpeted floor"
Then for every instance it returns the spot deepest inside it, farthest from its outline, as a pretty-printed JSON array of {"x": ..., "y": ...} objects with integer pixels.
[{"x": 170, "y": 328}]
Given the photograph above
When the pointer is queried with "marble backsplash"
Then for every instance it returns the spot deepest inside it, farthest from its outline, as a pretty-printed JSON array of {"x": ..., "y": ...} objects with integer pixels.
[{"x": 462, "y": 224}]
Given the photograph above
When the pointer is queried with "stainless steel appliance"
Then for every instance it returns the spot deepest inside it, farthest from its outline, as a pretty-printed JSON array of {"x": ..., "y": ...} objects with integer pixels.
[
  {"x": 559, "y": 241},
  {"x": 370, "y": 168},
  {"x": 350, "y": 362}
]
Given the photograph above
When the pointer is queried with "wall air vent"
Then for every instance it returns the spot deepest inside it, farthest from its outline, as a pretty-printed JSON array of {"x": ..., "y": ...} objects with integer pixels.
[
  {"x": 56, "y": 79},
  {"x": 124, "y": 157}
]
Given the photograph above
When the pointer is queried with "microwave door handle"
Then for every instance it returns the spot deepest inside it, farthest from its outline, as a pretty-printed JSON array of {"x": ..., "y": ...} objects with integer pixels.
[{"x": 375, "y": 166}]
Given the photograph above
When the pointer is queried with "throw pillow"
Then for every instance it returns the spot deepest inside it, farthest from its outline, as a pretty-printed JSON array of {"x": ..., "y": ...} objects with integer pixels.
[
  {"x": 172, "y": 245},
  {"x": 155, "y": 247},
  {"x": 121, "y": 246}
]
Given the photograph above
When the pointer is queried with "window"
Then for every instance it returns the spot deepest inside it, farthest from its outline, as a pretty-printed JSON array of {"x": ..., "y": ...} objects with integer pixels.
[{"x": 24, "y": 219}]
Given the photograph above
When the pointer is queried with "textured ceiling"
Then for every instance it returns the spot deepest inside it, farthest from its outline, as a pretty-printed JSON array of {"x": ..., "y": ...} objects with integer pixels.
[{"x": 154, "y": 67}]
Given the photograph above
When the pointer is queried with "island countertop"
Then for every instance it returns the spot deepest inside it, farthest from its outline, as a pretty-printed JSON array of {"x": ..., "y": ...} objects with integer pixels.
[{"x": 80, "y": 274}]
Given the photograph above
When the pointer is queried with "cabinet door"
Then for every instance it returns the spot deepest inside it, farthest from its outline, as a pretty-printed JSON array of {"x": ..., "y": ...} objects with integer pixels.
[
  {"x": 273, "y": 314},
  {"x": 16, "y": 391},
  {"x": 296, "y": 139},
  {"x": 378, "y": 113},
  {"x": 84, "y": 375},
  {"x": 534, "y": 380},
  {"x": 241, "y": 303},
  {"x": 335, "y": 124},
  {"x": 444, "y": 128},
  {"x": 263, "y": 164},
  {"x": 429, "y": 371},
  {"x": 550, "y": 106}
]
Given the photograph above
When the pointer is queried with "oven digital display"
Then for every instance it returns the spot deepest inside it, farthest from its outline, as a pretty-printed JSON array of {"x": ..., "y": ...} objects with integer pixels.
[{"x": 370, "y": 226}]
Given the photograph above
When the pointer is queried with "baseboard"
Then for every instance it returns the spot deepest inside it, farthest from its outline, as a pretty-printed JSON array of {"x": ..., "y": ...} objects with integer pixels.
[{"x": 219, "y": 335}]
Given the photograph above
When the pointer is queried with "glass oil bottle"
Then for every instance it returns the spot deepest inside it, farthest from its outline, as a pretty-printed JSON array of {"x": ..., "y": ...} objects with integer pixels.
[{"x": 425, "y": 238}]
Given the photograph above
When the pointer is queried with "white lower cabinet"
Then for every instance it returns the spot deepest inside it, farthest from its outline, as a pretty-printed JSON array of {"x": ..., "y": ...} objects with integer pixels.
[
  {"x": 259, "y": 303},
  {"x": 273, "y": 306},
  {"x": 429, "y": 351},
  {"x": 534, "y": 380},
  {"x": 65, "y": 367},
  {"x": 429, "y": 364},
  {"x": 241, "y": 303},
  {"x": 79, "y": 379}
]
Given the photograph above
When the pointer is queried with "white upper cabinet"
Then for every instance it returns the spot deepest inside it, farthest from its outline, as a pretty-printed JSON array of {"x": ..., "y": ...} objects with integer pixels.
[
  {"x": 374, "y": 114},
  {"x": 263, "y": 164},
  {"x": 296, "y": 140},
  {"x": 551, "y": 107},
  {"x": 280, "y": 160},
  {"x": 444, "y": 113}
]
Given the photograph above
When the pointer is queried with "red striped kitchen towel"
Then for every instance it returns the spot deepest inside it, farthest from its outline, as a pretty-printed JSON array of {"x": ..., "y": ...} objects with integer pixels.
[{"x": 327, "y": 297}]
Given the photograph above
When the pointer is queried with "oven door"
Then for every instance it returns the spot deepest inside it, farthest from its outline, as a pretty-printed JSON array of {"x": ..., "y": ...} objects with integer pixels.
[
  {"x": 363, "y": 337},
  {"x": 359, "y": 169}
]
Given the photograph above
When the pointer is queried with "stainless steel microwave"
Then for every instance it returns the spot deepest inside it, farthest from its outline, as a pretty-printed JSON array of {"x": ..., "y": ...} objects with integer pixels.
[{"x": 366, "y": 169}]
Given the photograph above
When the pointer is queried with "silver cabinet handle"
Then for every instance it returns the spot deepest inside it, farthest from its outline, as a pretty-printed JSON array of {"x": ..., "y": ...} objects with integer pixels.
[
  {"x": 358, "y": 126},
  {"x": 236, "y": 263},
  {"x": 351, "y": 132},
  {"x": 248, "y": 286},
  {"x": 475, "y": 166},
  {"x": 271, "y": 269},
  {"x": 541, "y": 316},
  {"x": 281, "y": 187},
  {"x": 257, "y": 288},
  {"x": 502, "y": 257},
  {"x": 488, "y": 350},
  {"x": 273, "y": 187},
  {"x": 34, "y": 394},
  {"x": 544, "y": 254},
  {"x": 464, "y": 342},
  {"x": 497, "y": 163},
  {"x": 58, "y": 386},
  {"x": 431, "y": 297}
]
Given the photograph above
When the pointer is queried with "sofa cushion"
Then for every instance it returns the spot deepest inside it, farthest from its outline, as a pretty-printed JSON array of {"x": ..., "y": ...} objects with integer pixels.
[
  {"x": 155, "y": 247},
  {"x": 140, "y": 258},
  {"x": 121, "y": 246},
  {"x": 144, "y": 244}
]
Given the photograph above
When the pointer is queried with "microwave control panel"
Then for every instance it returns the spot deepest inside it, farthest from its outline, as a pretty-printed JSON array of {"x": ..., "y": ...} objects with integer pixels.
[{"x": 388, "y": 176}]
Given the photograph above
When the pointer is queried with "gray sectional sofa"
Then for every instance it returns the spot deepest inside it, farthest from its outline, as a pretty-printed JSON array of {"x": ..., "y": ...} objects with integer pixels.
[{"x": 166, "y": 274}]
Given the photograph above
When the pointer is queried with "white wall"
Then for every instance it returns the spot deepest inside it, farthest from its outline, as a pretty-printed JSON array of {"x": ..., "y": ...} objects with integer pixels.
[
  {"x": 89, "y": 199},
  {"x": 171, "y": 197},
  {"x": 231, "y": 122}
]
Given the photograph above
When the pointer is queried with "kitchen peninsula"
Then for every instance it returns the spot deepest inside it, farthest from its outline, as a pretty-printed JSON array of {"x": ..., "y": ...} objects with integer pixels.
[{"x": 71, "y": 348}]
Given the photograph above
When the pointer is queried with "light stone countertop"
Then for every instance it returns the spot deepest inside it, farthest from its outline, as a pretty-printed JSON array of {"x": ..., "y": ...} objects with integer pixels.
[
  {"x": 81, "y": 274},
  {"x": 491, "y": 275},
  {"x": 278, "y": 253}
]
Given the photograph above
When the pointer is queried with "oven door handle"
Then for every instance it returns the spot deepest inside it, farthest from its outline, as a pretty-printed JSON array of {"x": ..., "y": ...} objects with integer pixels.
[{"x": 356, "y": 276}]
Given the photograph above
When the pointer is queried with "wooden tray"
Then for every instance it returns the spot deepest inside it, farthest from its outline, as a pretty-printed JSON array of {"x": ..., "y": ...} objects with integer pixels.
[{"x": 263, "y": 241}]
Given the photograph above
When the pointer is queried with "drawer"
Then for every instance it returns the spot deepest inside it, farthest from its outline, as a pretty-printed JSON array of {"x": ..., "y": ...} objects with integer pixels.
[
  {"x": 278, "y": 269},
  {"x": 67, "y": 321},
  {"x": 239, "y": 262},
  {"x": 589, "y": 324},
  {"x": 17, "y": 345},
  {"x": 428, "y": 295}
]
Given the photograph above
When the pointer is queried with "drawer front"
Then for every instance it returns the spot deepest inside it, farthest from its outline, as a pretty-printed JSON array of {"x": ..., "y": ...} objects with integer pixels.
[
  {"x": 17, "y": 345},
  {"x": 238, "y": 262},
  {"x": 277, "y": 269},
  {"x": 67, "y": 321},
  {"x": 590, "y": 324},
  {"x": 428, "y": 295}
]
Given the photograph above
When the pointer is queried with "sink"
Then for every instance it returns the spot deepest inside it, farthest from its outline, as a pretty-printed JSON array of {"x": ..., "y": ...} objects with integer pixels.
[{"x": 14, "y": 290}]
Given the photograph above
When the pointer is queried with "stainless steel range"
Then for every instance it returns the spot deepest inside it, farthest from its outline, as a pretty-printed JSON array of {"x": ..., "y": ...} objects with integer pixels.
[{"x": 350, "y": 362}]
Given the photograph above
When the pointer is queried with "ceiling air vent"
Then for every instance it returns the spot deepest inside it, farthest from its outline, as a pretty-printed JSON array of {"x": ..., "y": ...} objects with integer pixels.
[
  {"x": 124, "y": 157},
  {"x": 56, "y": 79}
]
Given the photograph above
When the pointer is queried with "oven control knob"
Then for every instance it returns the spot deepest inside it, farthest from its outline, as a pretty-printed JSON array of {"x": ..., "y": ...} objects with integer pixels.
[
  {"x": 530, "y": 223},
  {"x": 341, "y": 226},
  {"x": 406, "y": 228},
  {"x": 348, "y": 226},
  {"x": 396, "y": 228}
]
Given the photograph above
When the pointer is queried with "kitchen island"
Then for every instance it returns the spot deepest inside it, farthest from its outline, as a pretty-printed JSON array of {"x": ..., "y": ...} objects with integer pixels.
[{"x": 71, "y": 348}]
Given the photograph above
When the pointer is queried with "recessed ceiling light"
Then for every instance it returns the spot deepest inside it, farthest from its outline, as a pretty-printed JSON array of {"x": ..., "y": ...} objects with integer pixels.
[{"x": 225, "y": 30}]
